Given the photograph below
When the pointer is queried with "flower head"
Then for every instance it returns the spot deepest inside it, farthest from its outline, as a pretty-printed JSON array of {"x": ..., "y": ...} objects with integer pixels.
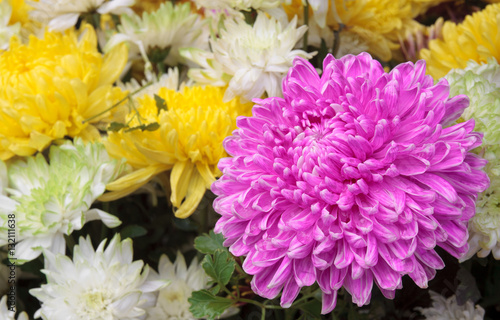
[
  {"x": 251, "y": 60},
  {"x": 351, "y": 179},
  {"x": 51, "y": 85},
  {"x": 171, "y": 28},
  {"x": 102, "y": 284},
  {"x": 449, "y": 309},
  {"x": 51, "y": 200},
  {"x": 188, "y": 141},
  {"x": 481, "y": 83},
  {"x": 173, "y": 299},
  {"x": 470, "y": 40},
  {"x": 64, "y": 14}
]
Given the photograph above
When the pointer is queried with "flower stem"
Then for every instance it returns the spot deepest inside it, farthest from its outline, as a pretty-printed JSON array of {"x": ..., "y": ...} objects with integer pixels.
[
  {"x": 306, "y": 22},
  {"x": 118, "y": 103}
]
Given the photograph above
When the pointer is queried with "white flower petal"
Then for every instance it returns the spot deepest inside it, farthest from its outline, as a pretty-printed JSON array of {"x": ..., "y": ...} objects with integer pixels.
[{"x": 63, "y": 22}]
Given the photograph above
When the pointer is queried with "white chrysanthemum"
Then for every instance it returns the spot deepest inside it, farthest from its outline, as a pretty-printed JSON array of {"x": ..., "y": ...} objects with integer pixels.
[
  {"x": 98, "y": 285},
  {"x": 63, "y": 14},
  {"x": 6, "y": 30},
  {"x": 251, "y": 60},
  {"x": 448, "y": 309},
  {"x": 49, "y": 201},
  {"x": 173, "y": 300},
  {"x": 6, "y": 314},
  {"x": 171, "y": 27},
  {"x": 481, "y": 83}
]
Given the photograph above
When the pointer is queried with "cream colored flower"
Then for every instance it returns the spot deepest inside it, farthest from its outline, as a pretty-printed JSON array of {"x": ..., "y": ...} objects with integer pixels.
[
  {"x": 160, "y": 34},
  {"x": 250, "y": 60}
]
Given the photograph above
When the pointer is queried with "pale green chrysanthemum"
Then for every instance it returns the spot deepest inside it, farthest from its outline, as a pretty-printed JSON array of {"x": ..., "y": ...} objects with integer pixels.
[
  {"x": 7, "y": 314},
  {"x": 171, "y": 27},
  {"x": 481, "y": 83},
  {"x": 449, "y": 309},
  {"x": 249, "y": 59},
  {"x": 101, "y": 284},
  {"x": 51, "y": 200}
]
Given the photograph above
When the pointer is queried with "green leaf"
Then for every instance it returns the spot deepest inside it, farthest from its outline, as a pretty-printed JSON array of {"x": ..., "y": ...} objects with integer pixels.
[
  {"x": 214, "y": 290},
  {"x": 205, "y": 304},
  {"x": 116, "y": 126},
  {"x": 152, "y": 126},
  {"x": 133, "y": 231},
  {"x": 160, "y": 103},
  {"x": 220, "y": 267},
  {"x": 209, "y": 243}
]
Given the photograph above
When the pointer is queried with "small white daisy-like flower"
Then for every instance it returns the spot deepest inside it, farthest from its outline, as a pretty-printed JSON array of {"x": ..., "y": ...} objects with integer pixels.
[
  {"x": 7, "y": 314},
  {"x": 173, "y": 300},
  {"x": 63, "y": 14},
  {"x": 162, "y": 32},
  {"x": 249, "y": 59},
  {"x": 48, "y": 201},
  {"x": 105, "y": 284},
  {"x": 448, "y": 309}
]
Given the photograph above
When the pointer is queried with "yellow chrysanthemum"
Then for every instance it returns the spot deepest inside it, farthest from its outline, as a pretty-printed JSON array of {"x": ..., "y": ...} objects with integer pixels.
[
  {"x": 377, "y": 22},
  {"x": 50, "y": 85},
  {"x": 188, "y": 141},
  {"x": 476, "y": 38}
]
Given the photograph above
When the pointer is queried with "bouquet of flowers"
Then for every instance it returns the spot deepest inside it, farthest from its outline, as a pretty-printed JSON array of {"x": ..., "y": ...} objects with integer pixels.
[{"x": 249, "y": 159}]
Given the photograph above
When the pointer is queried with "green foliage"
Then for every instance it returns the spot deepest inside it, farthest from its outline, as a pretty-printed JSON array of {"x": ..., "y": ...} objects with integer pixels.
[
  {"x": 219, "y": 267},
  {"x": 206, "y": 304},
  {"x": 133, "y": 231},
  {"x": 209, "y": 243}
]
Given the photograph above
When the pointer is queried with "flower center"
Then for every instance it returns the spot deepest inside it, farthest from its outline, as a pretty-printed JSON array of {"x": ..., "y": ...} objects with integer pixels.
[{"x": 94, "y": 303}]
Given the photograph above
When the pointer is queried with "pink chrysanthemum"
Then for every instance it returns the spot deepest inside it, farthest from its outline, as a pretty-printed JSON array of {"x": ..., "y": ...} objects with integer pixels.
[{"x": 351, "y": 179}]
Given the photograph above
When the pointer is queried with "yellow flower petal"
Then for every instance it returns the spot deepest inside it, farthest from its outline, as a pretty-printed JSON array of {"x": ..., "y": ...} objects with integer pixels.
[
  {"x": 131, "y": 182},
  {"x": 195, "y": 194},
  {"x": 180, "y": 181}
]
